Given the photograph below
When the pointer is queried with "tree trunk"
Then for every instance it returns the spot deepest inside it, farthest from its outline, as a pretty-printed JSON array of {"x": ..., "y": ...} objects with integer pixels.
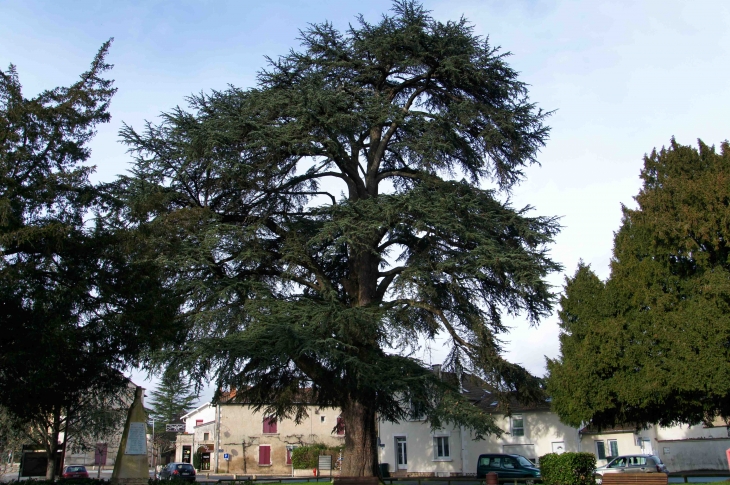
[
  {"x": 360, "y": 458},
  {"x": 52, "y": 448}
]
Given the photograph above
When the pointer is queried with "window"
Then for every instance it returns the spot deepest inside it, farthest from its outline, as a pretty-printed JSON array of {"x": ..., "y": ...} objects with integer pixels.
[
  {"x": 613, "y": 447},
  {"x": 206, "y": 436},
  {"x": 637, "y": 461},
  {"x": 340, "y": 426},
  {"x": 269, "y": 425},
  {"x": 264, "y": 455},
  {"x": 100, "y": 451},
  {"x": 322, "y": 419},
  {"x": 417, "y": 411},
  {"x": 289, "y": 449},
  {"x": 509, "y": 463},
  {"x": 518, "y": 427},
  {"x": 601, "y": 450},
  {"x": 441, "y": 448}
]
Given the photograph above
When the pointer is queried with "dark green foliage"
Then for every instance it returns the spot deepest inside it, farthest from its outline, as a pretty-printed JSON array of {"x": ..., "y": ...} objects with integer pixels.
[
  {"x": 307, "y": 457},
  {"x": 172, "y": 398},
  {"x": 323, "y": 222},
  {"x": 652, "y": 343},
  {"x": 568, "y": 469},
  {"x": 72, "y": 305}
]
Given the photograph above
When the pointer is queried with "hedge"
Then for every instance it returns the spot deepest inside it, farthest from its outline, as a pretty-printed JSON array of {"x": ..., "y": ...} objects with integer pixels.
[
  {"x": 568, "y": 469},
  {"x": 307, "y": 457}
]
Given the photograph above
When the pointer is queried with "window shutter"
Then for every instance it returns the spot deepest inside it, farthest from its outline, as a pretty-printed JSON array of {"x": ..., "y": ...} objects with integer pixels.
[
  {"x": 340, "y": 426},
  {"x": 288, "y": 456},
  {"x": 264, "y": 455},
  {"x": 100, "y": 454},
  {"x": 269, "y": 425}
]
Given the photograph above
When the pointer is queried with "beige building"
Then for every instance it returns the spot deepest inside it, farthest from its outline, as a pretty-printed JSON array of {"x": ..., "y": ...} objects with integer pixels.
[{"x": 239, "y": 440}]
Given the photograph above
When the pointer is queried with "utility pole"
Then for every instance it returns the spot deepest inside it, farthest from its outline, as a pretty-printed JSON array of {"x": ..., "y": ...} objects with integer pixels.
[{"x": 153, "y": 447}]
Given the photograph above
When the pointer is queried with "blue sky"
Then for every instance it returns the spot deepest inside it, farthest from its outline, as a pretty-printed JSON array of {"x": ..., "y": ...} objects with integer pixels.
[{"x": 623, "y": 78}]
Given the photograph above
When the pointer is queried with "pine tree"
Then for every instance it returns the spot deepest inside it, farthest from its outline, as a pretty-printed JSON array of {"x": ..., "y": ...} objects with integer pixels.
[
  {"x": 323, "y": 222},
  {"x": 652, "y": 343},
  {"x": 71, "y": 314},
  {"x": 173, "y": 398}
]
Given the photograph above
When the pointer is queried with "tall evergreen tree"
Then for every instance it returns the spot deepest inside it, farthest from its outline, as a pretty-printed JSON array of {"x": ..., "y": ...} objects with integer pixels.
[
  {"x": 323, "y": 222},
  {"x": 173, "y": 398},
  {"x": 652, "y": 343},
  {"x": 71, "y": 313}
]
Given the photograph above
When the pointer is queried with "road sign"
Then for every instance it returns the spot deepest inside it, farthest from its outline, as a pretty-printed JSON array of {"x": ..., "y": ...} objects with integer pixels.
[
  {"x": 226, "y": 456},
  {"x": 325, "y": 462},
  {"x": 175, "y": 428}
]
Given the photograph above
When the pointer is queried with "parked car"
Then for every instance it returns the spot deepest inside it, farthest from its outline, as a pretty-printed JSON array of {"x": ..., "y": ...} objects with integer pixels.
[
  {"x": 75, "y": 471},
  {"x": 178, "y": 471},
  {"x": 633, "y": 464},
  {"x": 506, "y": 466}
]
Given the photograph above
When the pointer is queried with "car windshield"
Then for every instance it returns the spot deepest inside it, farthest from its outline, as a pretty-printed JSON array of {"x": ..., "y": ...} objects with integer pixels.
[
  {"x": 657, "y": 460},
  {"x": 524, "y": 461},
  {"x": 184, "y": 467},
  {"x": 75, "y": 469}
]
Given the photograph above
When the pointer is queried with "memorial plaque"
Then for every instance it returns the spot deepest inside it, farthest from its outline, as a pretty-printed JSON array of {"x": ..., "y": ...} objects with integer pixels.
[{"x": 137, "y": 439}]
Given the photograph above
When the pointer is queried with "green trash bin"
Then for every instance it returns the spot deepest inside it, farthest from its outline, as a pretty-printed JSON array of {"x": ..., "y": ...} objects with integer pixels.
[{"x": 384, "y": 470}]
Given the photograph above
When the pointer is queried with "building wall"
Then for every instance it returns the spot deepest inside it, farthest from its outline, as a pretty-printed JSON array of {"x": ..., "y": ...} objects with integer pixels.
[
  {"x": 241, "y": 436},
  {"x": 542, "y": 430},
  {"x": 681, "y": 447},
  {"x": 626, "y": 442},
  {"x": 695, "y": 454},
  {"x": 206, "y": 413}
]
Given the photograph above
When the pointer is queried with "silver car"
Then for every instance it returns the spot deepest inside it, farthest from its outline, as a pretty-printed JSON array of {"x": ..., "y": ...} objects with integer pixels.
[{"x": 633, "y": 464}]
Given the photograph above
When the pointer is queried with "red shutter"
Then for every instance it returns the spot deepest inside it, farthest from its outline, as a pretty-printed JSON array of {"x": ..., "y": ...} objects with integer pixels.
[
  {"x": 198, "y": 422},
  {"x": 340, "y": 426},
  {"x": 288, "y": 456},
  {"x": 100, "y": 454},
  {"x": 264, "y": 455},
  {"x": 269, "y": 425}
]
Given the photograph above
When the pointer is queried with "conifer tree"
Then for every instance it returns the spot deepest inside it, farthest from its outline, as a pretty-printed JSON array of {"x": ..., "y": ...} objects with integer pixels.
[
  {"x": 652, "y": 343},
  {"x": 70, "y": 305},
  {"x": 173, "y": 398},
  {"x": 323, "y": 222}
]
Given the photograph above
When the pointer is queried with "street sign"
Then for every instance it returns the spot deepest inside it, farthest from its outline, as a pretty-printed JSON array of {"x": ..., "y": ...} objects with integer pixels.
[
  {"x": 325, "y": 462},
  {"x": 226, "y": 456},
  {"x": 175, "y": 428}
]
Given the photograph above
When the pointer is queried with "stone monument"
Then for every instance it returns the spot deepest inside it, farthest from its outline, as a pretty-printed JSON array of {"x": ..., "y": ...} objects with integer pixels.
[{"x": 131, "y": 466}]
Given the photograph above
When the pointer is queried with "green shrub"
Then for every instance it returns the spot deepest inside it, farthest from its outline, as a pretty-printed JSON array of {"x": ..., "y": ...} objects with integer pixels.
[
  {"x": 307, "y": 457},
  {"x": 568, "y": 469}
]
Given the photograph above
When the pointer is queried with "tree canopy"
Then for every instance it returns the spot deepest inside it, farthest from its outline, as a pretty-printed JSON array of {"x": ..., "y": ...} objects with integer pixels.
[
  {"x": 76, "y": 307},
  {"x": 652, "y": 343},
  {"x": 322, "y": 222},
  {"x": 172, "y": 398}
]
